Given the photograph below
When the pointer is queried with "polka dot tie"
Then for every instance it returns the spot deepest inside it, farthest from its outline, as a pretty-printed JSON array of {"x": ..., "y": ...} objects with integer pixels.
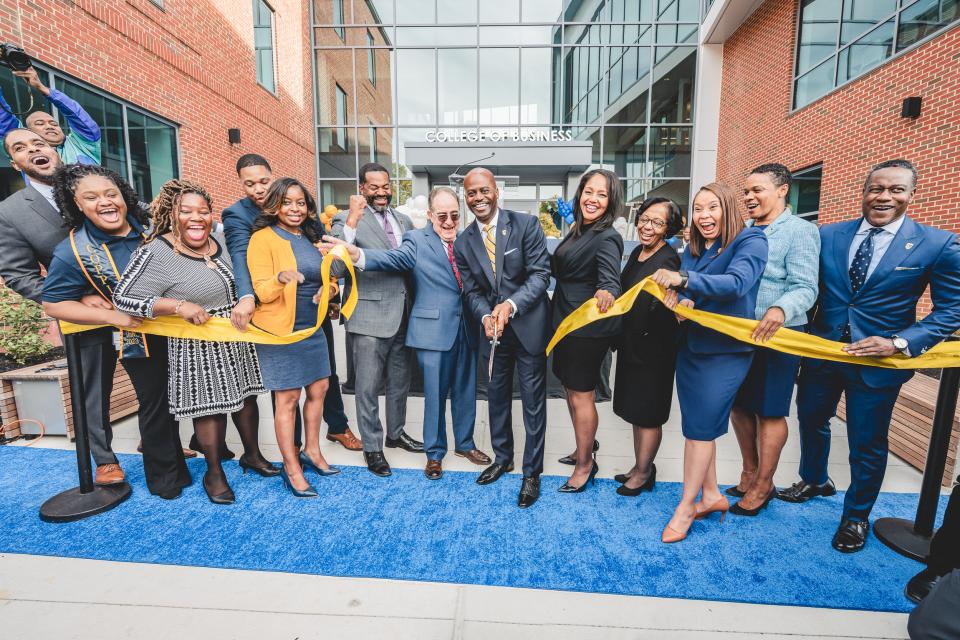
[{"x": 861, "y": 261}]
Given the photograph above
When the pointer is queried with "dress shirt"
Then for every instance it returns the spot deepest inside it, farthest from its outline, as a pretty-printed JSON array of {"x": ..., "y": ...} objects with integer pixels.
[
  {"x": 480, "y": 226},
  {"x": 881, "y": 242},
  {"x": 46, "y": 191},
  {"x": 350, "y": 234}
]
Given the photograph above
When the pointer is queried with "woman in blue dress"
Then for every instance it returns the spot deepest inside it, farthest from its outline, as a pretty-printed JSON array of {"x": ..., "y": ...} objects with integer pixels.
[
  {"x": 285, "y": 270},
  {"x": 720, "y": 272}
]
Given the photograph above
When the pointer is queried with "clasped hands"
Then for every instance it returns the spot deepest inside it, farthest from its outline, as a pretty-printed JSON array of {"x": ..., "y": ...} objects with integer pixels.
[{"x": 497, "y": 320}]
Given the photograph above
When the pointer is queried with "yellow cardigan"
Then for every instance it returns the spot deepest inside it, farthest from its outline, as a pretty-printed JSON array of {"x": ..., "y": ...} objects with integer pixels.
[{"x": 267, "y": 255}]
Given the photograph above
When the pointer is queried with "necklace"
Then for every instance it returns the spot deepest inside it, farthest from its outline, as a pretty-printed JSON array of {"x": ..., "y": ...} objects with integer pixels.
[{"x": 206, "y": 255}]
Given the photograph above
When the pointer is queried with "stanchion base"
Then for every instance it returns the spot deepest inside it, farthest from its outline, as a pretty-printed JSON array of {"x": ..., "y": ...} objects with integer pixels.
[
  {"x": 898, "y": 534},
  {"x": 72, "y": 505}
]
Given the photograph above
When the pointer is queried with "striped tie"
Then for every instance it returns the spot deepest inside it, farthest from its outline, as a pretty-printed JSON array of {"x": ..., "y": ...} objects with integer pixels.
[{"x": 490, "y": 243}]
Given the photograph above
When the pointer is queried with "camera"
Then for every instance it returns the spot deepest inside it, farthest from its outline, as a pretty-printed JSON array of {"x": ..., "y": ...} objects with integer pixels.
[{"x": 14, "y": 57}]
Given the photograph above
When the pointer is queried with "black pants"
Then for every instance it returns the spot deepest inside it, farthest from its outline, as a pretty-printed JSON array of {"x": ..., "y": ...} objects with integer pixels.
[
  {"x": 333, "y": 413},
  {"x": 163, "y": 463},
  {"x": 532, "y": 369},
  {"x": 98, "y": 362},
  {"x": 937, "y": 617},
  {"x": 945, "y": 546}
]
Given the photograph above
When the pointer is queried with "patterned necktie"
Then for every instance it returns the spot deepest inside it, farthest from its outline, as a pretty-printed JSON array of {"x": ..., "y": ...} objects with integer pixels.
[
  {"x": 490, "y": 243},
  {"x": 453, "y": 264},
  {"x": 861, "y": 261},
  {"x": 388, "y": 229}
]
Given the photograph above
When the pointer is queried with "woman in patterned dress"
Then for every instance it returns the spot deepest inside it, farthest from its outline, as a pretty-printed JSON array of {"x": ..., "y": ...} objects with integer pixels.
[{"x": 180, "y": 270}]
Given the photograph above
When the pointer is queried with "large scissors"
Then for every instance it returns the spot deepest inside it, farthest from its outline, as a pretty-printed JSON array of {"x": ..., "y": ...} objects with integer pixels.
[{"x": 493, "y": 346}]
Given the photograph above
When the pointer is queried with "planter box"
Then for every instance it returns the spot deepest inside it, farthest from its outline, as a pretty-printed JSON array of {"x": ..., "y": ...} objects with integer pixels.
[
  {"x": 43, "y": 390},
  {"x": 912, "y": 421}
]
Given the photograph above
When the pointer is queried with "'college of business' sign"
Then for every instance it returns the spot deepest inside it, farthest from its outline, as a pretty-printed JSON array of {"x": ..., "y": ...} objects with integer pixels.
[{"x": 499, "y": 136}]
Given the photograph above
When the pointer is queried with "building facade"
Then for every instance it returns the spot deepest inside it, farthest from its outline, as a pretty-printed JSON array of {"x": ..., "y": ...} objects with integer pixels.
[{"x": 167, "y": 79}]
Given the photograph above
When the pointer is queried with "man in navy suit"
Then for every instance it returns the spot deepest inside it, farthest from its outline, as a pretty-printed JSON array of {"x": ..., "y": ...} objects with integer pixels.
[
  {"x": 873, "y": 270},
  {"x": 437, "y": 329},
  {"x": 505, "y": 269}
]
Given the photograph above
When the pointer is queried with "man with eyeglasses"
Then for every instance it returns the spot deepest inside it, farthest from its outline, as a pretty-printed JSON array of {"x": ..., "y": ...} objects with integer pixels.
[
  {"x": 438, "y": 330},
  {"x": 377, "y": 329}
]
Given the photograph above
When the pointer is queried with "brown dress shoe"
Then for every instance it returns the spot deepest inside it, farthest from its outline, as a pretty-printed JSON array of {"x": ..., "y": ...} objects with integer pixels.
[
  {"x": 434, "y": 470},
  {"x": 347, "y": 439},
  {"x": 475, "y": 456},
  {"x": 108, "y": 474}
]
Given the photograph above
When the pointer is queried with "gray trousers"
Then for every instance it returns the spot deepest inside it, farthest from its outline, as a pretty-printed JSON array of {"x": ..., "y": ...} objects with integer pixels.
[
  {"x": 98, "y": 362},
  {"x": 376, "y": 362}
]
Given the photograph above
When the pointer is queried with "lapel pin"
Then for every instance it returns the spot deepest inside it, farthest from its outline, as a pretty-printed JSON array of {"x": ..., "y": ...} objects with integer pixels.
[
  {"x": 504, "y": 232},
  {"x": 908, "y": 246}
]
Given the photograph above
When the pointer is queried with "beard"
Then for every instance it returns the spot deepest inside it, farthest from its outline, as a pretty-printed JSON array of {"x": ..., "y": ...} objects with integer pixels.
[
  {"x": 370, "y": 200},
  {"x": 38, "y": 175}
]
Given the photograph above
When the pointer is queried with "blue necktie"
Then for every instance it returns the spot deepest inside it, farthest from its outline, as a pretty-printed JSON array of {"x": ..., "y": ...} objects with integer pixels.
[{"x": 861, "y": 261}]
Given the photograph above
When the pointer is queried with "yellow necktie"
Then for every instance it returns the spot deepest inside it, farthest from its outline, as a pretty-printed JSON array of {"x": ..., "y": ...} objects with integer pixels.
[{"x": 490, "y": 243}]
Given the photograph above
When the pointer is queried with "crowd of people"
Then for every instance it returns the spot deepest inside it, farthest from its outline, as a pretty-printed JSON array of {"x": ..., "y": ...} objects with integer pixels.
[{"x": 453, "y": 297}]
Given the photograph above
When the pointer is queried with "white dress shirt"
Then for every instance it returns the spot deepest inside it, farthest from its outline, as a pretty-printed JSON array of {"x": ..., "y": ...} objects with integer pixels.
[
  {"x": 350, "y": 234},
  {"x": 480, "y": 226},
  {"x": 47, "y": 192},
  {"x": 881, "y": 242}
]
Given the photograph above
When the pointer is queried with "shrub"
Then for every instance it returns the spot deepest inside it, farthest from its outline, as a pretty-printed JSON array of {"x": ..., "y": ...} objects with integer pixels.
[{"x": 21, "y": 327}]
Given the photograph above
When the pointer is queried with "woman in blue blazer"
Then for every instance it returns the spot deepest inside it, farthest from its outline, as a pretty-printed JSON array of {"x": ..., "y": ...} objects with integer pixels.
[{"x": 720, "y": 272}]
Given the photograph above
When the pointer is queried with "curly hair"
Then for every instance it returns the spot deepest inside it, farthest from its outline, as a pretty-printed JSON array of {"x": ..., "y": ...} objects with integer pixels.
[
  {"x": 164, "y": 207},
  {"x": 65, "y": 182},
  {"x": 274, "y": 200}
]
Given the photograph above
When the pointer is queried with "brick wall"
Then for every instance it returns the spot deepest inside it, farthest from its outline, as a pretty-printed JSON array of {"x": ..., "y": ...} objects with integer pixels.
[
  {"x": 848, "y": 130},
  {"x": 191, "y": 62}
]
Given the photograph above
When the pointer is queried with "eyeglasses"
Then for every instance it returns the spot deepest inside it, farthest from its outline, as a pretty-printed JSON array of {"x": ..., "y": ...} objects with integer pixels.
[
  {"x": 442, "y": 217},
  {"x": 653, "y": 222}
]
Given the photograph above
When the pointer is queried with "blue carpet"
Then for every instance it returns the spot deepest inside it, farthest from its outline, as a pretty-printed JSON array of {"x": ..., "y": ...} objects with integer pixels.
[{"x": 406, "y": 527}]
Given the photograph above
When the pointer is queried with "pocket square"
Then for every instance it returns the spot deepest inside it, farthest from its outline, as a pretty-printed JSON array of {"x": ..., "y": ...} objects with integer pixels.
[
  {"x": 907, "y": 269},
  {"x": 510, "y": 251}
]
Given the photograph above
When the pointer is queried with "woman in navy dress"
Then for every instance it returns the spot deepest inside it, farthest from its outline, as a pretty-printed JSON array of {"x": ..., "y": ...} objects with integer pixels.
[
  {"x": 285, "y": 270},
  {"x": 720, "y": 272}
]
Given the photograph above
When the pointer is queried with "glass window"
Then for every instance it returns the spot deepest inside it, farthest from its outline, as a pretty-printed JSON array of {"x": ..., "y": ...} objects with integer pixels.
[
  {"x": 500, "y": 86},
  {"x": 337, "y": 192},
  {"x": 535, "y": 86},
  {"x": 436, "y": 36},
  {"x": 540, "y": 10},
  {"x": 382, "y": 11},
  {"x": 672, "y": 95},
  {"x": 819, "y": 30},
  {"x": 859, "y": 16},
  {"x": 866, "y": 53},
  {"x": 334, "y": 69},
  {"x": 416, "y": 12},
  {"x": 336, "y": 155},
  {"x": 804, "y": 196},
  {"x": 341, "y": 133},
  {"x": 678, "y": 11},
  {"x": 516, "y": 35},
  {"x": 669, "y": 152},
  {"x": 817, "y": 82},
  {"x": 416, "y": 87},
  {"x": 338, "y": 16},
  {"x": 456, "y": 11},
  {"x": 108, "y": 114},
  {"x": 374, "y": 100},
  {"x": 153, "y": 153},
  {"x": 924, "y": 18},
  {"x": 371, "y": 61},
  {"x": 376, "y": 145},
  {"x": 499, "y": 11},
  {"x": 625, "y": 151},
  {"x": 457, "y": 86},
  {"x": 263, "y": 44}
]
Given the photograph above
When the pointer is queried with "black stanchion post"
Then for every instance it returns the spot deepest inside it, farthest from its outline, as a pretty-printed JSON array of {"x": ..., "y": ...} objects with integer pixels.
[
  {"x": 912, "y": 538},
  {"x": 88, "y": 499}
]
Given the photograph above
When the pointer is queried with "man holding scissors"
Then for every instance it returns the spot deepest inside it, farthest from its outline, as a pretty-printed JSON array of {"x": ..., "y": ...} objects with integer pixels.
[{"x": 505, "y": 269}]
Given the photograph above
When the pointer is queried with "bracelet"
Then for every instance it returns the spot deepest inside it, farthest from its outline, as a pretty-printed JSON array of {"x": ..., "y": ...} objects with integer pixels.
[{"x": 176, "y": 309}]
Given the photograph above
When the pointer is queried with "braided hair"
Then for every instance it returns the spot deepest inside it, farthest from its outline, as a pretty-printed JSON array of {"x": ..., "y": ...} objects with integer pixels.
[
  {"x": 166, "y": 205},
  {"x": 65, "y": 182},
  {"x": 274, "y": 200}
]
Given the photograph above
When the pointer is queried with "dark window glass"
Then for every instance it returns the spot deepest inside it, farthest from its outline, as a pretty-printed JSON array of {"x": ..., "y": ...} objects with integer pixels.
[
  {"x": 866, "y": 53},
  {"x": 336, "y": 157},
  {"x": 925, "y": 17},
  {"x": 153, "y": 153},
  {"x": 341, "y": 132},
  {"x": 108, "y": 114},
  {"x": 669, "y": 152},
  {"x": 337, "y": 192},
  {"x": 814, "y": 84},
  {"x": 672, "y": 97},
  {"x": 625, "y": 151},
  {"x": 819, "y": 29},
  {"x": 263, "y": 44},
  {"x": 859, "y": 16},
  {"x": 804, "y": 197}
]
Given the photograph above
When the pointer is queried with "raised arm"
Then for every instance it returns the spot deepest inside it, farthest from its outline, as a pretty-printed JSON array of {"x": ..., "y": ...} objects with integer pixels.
[
  {"x": 79, "y": 120},
  {"x": 744, "y": 270},
  {"x": 8, "y": 121}
]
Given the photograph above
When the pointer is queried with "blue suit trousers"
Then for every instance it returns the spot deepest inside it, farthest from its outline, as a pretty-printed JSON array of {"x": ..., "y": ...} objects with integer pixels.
[
  {"x": 868, "y": 409},
  {"x": 453, "y": 373}
]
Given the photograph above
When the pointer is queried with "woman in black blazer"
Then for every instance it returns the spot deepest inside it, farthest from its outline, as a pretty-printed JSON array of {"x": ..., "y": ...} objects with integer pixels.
[
  {"x": 587, "y": 265},
  {"x": 647, "y": 350}
]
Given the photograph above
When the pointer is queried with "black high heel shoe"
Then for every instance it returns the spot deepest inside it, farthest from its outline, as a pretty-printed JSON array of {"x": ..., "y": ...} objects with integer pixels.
[
  {"x": 571, "y": 460},
  {"x": 225, "y": 497},
  {"x": 650, "y": 483},
  {"x": 743, "y": 511},
  {"x": 591, "y": 479},
  {"x": 268, "y": 471},
  {"x": 307, "y": 463}
]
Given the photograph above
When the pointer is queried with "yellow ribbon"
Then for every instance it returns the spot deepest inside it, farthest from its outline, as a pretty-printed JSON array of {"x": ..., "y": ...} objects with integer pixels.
[
  {"x": 943, "y": 355},
  {"x": 220, "y": 329}
]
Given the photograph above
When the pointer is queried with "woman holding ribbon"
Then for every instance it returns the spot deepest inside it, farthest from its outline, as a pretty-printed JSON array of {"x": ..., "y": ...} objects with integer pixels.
[
  {"x": 586, "y": 264},
  {"x": 181, "y": 271},
  {"x": 285, "y": 269},
  {"x": 720, "y": 272},
  {"x": 647, "y": 350},
  {"x": 106, "y": 227}
]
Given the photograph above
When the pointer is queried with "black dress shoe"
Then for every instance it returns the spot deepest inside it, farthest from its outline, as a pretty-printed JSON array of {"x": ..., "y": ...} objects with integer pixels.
[
  {"x": 377, "y": 464},
  {"x": 851, "y": 535},
  {"x": 736, "y": 493},
  {"x": 171, "y": 494},
  {"x": 803, "y": 491},
  {"x": 225, "y": 453},
  {"x": 921, "y": 584},
  {"x": 650, "y": 483},
  {"x": 405, "y": 442},
  {"x": 571, "y": 460},
  {"x": 493, "y": 472},
  {"x": 529, "y": 492}
]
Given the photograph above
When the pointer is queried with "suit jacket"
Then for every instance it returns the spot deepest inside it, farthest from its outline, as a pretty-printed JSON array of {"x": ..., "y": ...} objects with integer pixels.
[
  {"x": 382, "y": 296},
  {"x": 437, "y": 313},
  {"x": 725, "y": 283},
  {"x": 886, "y": 304},
  {"x": 523, "y": 274},
  {"x": 582, "y": 266},
  {"x": 237, "y": 226},
  {"x": 30, "y": 229}
]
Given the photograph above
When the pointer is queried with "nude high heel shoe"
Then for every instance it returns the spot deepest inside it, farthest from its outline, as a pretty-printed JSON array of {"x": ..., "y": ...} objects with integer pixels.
[{"x": 722, "y": 505}]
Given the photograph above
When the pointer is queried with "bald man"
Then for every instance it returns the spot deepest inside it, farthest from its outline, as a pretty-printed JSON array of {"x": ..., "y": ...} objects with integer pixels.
[{"x": 81, "y": 145}]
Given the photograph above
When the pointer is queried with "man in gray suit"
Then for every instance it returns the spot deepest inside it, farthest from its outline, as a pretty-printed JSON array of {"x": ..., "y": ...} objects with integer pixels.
[
  {"x": 378, "y": 325},
  {"x": 30, "y": 229}
]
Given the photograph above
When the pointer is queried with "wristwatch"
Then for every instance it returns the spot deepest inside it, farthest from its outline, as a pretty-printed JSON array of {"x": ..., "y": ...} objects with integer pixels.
[
  {"x": 900, "y": 344},
  {"x": 683, "y": 280}
]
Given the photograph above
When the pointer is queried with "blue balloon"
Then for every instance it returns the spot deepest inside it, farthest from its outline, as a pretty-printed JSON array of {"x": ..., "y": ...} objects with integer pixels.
[{"x": 566, "y": 210}]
